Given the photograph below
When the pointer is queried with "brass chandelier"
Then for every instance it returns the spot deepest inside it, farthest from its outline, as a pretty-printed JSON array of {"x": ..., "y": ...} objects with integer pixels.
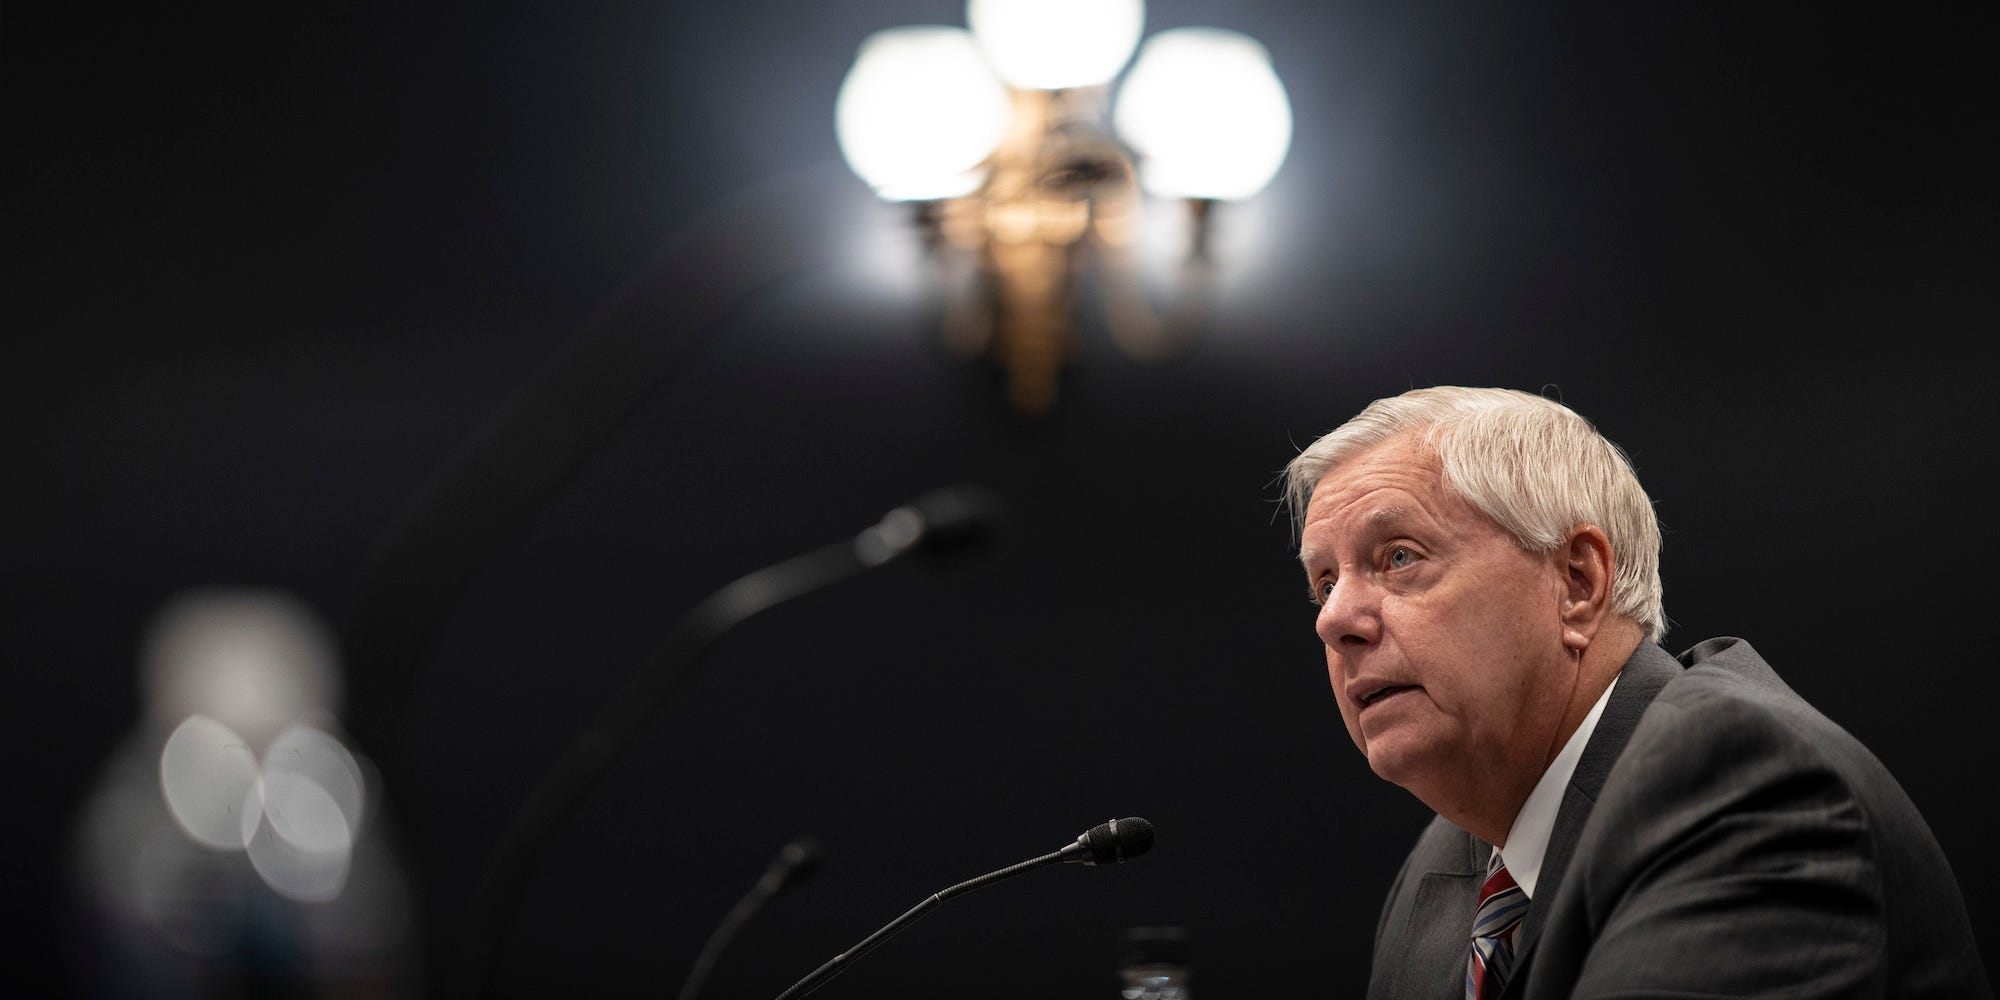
[{"x": 997, "y": 137}]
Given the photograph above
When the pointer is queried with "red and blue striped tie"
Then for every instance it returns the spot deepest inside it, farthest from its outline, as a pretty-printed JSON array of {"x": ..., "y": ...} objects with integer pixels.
[{"x": 1501, "y": 904}]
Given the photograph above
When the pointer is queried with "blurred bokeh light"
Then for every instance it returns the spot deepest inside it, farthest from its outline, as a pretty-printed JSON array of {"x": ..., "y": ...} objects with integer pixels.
[
  {"x": 917, "y": 112},
  {"x": 1205, "y": 113},
  {"x": 1056, "y": 44},
  {"x": 231, "y": 839}
]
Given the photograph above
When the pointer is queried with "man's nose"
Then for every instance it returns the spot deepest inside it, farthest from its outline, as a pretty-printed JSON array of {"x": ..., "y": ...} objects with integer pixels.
[{"x": 1350, "y": 615}]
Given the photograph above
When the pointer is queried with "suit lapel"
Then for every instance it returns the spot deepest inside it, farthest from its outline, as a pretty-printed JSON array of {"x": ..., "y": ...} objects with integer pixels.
[
  {"x": 1645, "y": 673},
  {"x": 1442, "y": 936}
]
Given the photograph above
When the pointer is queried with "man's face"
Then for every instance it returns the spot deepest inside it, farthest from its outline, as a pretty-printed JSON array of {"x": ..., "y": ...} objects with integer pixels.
[{"x": 1443, "y": 640}]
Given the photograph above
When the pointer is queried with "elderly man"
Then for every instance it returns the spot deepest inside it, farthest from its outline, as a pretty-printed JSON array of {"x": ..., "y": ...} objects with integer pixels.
[{"x": 1611, "y": 819}]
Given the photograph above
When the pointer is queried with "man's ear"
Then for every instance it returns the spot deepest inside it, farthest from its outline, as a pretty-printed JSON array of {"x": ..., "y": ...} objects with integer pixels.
[{"x": 1587, "y": 565}]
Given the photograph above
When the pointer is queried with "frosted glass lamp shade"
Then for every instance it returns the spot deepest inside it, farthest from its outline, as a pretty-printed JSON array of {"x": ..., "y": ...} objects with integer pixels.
[
  {"x": 918, "y": 111},
  {"x": 1205, "y": 113},
  {"x": 1053, "y": 44}
]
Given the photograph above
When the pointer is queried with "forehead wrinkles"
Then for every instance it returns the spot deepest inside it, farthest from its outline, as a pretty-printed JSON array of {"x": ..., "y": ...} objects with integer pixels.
[
  {"x": 1403, "y": 462},
  {"x": 1367, "y": 522},
  {"x": 1395, "y": 480}
]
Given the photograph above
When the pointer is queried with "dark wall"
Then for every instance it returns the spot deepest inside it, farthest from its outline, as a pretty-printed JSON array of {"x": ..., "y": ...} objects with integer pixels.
[{"x": 275, "y": 277}]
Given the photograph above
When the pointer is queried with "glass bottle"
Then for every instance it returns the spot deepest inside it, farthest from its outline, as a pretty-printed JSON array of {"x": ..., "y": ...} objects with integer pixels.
[{"x": 1153, "y": 964}]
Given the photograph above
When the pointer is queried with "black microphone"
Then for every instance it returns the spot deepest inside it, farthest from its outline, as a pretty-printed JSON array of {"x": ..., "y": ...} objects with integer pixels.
[
  {"x": 1111, "y": 843},
  {"x": 940, "y": 524}
]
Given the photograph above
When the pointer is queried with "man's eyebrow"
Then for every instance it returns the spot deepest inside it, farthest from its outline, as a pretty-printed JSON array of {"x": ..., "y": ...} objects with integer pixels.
[{"x": 1386, "y": 515}]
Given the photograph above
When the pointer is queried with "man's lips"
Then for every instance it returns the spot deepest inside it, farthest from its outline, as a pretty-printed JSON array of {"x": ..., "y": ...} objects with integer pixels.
[{"x": 1375, "y": 694}]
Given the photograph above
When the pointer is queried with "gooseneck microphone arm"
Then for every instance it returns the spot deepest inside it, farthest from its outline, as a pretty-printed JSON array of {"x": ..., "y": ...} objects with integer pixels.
[
  {"x": 1105, "y": 844},
  {"x": 837, "y": 963},
  {"x": 936, "y": 523}
]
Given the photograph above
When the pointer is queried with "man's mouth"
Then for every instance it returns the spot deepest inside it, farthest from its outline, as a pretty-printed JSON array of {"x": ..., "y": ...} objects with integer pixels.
[{"x": 1382, "y": 692}]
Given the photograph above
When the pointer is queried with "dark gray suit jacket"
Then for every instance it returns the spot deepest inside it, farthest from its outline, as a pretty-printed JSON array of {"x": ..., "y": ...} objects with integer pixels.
[{"x": 1720, "y": 838}]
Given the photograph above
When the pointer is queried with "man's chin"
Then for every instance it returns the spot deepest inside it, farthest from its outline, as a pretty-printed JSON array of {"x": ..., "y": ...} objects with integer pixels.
[{"x": 1393, "y": 763}]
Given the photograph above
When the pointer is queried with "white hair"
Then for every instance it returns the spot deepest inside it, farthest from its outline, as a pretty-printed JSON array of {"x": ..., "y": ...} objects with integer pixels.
[{"x": 1531, "y": 464}]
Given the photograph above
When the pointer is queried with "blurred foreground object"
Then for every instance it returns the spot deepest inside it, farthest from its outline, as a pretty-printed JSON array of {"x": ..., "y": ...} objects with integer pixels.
[
  {"x": 996, "y": 136},
  {"x": 233, "y": 845},
  {"x": 1153, "y": 964}
]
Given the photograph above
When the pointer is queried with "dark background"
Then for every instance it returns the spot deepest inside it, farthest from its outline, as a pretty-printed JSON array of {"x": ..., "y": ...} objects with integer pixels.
[{"x": 271, "y": 273}]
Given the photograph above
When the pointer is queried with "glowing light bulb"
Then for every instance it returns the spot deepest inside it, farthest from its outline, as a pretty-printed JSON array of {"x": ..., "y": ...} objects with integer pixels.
[
  {"x": 1052, "y": 44},
  {"x": 207, "y": 775},
  {"x": 1205, "y": 113},
  {"x": 918, "y": 111}
]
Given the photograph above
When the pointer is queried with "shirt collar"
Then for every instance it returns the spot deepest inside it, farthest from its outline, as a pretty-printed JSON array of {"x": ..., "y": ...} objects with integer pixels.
[{"x": 1528, "y": 840}]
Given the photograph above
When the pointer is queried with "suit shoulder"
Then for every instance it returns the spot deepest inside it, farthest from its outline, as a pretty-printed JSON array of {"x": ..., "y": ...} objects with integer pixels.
[
  {"x": 1728, "y": 736},
  {"x": 1728, "y": 686},
  {"x": 1712, "y": 718}
]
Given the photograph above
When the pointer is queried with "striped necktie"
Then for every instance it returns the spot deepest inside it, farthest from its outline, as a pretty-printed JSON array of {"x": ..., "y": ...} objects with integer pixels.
[{"x": 1501, "y": 904}]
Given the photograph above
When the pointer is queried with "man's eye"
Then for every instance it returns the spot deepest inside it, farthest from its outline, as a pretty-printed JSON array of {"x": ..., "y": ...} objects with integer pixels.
[
  {"x": 1324, "y": 592},
  {"x": 1400, "y": 557}
]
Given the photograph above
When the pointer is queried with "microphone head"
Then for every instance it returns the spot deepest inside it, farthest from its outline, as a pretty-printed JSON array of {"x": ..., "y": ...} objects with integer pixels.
[
  {"x": 793, "y": 862},
  {"x": 800, "y": 856},
  {"x": 1113, "y": 843},
  {"x": 943, "y": 522}
]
